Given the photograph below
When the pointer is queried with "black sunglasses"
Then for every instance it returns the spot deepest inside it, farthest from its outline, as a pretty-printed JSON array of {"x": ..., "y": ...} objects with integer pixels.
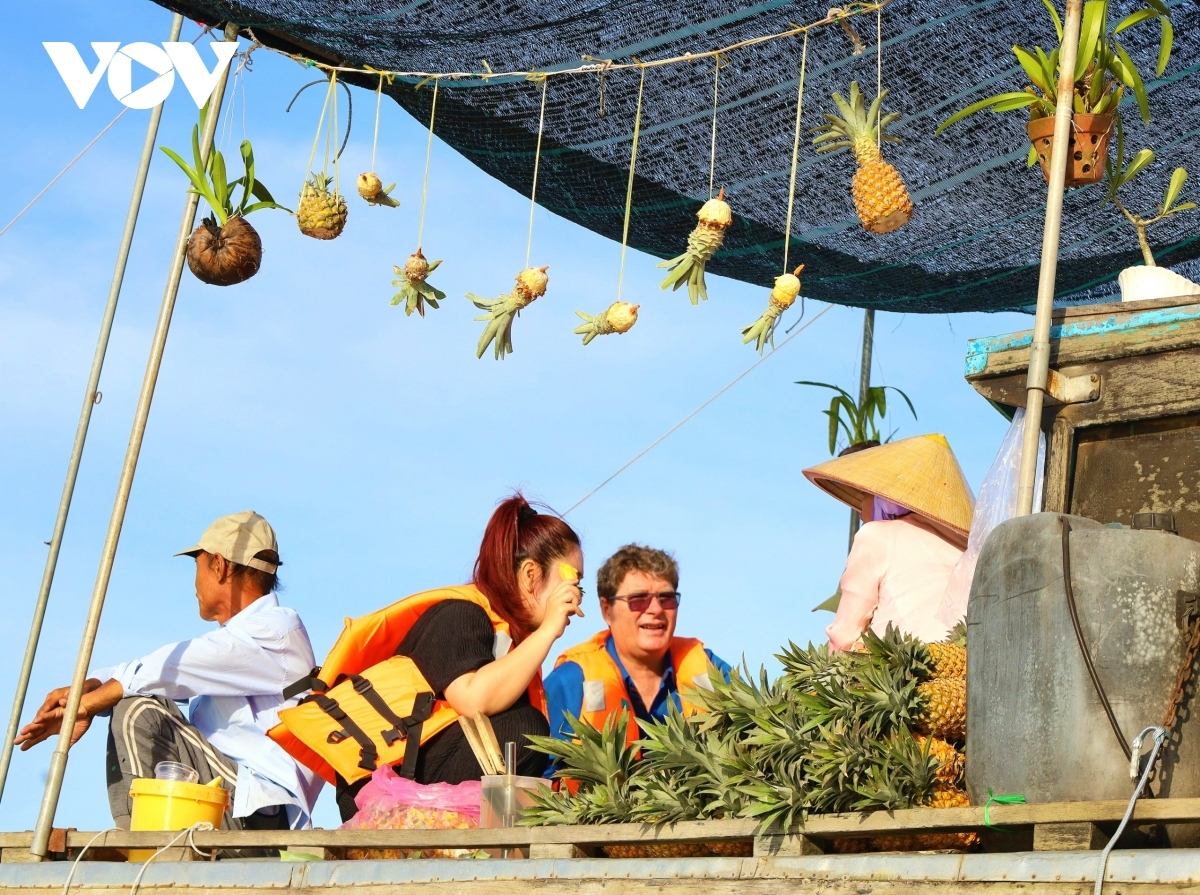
[{"x": 641, "y": 602}]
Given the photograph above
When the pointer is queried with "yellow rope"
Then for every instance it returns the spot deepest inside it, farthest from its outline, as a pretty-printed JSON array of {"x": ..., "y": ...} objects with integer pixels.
[
  {"x": 637, "y": 129},
  {"x": 712, "y": 150},
  {"x": 787, "y": 230},
  {"x": 312, "y": 155},
  {"x": 878, "y": 73},
  {"x": 375, "y": 139},
  {"x": 591, "y": 67},
  {"x": 537, "y": 158},
  {"x": 425, "y": 182},
  {"x": 331, "y": 140}
]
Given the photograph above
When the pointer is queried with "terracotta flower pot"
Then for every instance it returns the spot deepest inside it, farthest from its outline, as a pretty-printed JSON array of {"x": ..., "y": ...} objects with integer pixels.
[{"x": 1089, "y": 146}]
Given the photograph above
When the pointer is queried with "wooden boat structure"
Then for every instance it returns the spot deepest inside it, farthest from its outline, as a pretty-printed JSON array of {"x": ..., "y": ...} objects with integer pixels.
[{"x": 1046, "y": 848}]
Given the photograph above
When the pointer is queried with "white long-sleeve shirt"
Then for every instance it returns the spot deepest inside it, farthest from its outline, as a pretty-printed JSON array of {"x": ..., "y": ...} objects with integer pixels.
[{"x": 233, "y": 678}]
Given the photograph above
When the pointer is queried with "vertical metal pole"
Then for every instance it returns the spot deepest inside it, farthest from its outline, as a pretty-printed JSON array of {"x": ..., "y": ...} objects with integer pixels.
[
  {"x": 90, "y": 396},
  {"x": 864, "y": 383},
  {"x": 1039, "y": 352},
  {"x": 58, "y": 762}
]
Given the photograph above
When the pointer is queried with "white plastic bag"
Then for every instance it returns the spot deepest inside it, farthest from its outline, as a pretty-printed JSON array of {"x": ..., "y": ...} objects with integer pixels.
[{"x": 997, "y": 502}]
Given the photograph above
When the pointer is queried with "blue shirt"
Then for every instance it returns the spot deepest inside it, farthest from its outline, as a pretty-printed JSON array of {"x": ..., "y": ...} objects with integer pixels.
[{"x": 564, "y": 692}]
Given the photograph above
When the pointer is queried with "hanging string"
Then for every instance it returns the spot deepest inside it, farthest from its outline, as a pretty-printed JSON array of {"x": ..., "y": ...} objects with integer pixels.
[
  {"x": 425, "y": 182},
  {"x": 333, "y": 129},
  {"x": 320, "y": 123},
  {"x": 537, "y": 158},
  {"x": 825, "y": 310},
  {"x": 712, "y": 151},
  {"x": 637, "y": 129},
  {"x": 59, "y": 175},
  {"x": 375, "y": 139},
  {"x": 878, "y": 73},
  {"x": 787, "y": 230}
]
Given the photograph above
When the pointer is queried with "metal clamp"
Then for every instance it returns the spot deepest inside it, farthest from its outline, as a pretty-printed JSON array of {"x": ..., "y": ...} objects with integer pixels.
[{"x": 1062, "y": 389}]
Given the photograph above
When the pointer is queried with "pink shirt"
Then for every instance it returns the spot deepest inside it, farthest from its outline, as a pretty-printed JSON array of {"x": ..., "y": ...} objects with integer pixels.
[{"x": 896, "y": 574}]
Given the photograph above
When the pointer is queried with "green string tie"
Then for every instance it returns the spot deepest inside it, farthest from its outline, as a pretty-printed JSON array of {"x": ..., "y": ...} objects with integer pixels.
[{"x": 999, "y": 800}]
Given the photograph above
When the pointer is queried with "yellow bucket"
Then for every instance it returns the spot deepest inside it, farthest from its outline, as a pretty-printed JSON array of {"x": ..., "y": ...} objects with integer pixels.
[{"x": 173, "y": 805}]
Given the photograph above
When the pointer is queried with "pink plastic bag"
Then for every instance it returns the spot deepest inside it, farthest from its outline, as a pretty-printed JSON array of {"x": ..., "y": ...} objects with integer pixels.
[{"x": 390, "y": 802}]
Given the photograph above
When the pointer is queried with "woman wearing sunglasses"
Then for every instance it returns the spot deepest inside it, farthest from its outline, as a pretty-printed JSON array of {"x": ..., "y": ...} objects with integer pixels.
[{"x": 637, "y": 663}]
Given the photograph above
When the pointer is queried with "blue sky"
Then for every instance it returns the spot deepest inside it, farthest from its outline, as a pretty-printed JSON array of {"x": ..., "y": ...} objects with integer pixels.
[{"x": 377, "y": 444}]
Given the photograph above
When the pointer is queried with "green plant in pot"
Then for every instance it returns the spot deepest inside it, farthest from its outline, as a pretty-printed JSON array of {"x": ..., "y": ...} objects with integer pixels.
[
  {"x": 1148, "y": 280},
  {"x": 859, "y": 424},
  {"x": 1104, "y": 70},
  {"x": 224, "y": 249}
]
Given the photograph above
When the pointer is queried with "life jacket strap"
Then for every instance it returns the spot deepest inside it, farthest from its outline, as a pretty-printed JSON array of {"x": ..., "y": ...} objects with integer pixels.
[
  {"x": 368, "y": 754},
  {"x": 413, "y": 724},
  {"x": 310, "y": 682},
  {"x": 408, "y": 728}
]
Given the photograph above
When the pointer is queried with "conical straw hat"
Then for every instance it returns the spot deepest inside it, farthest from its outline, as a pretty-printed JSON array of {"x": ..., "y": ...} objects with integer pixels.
[{"x": 921, "y": 474}]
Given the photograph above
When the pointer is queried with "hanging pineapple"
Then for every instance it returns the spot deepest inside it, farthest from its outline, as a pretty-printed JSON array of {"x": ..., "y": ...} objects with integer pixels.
[
  {"x": 531, "y": 285},
  {"x": 415, "y": 293},
  {"x": 715, "y": 217},
  {"x": 619, "y": 317},
  {"x": 880, "y": 197},
  {"x": 783, "y": 296},
  {"x": 371, "y": 188},
  {"x": 322, "y": 211}
]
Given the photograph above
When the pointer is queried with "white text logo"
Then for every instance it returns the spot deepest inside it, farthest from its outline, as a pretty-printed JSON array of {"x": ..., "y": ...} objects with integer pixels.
[{"x": 117, "y": 60}]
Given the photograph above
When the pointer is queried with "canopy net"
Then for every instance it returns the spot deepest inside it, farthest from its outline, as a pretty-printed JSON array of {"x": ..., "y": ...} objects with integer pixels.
[{"x": 974, "y": 241}]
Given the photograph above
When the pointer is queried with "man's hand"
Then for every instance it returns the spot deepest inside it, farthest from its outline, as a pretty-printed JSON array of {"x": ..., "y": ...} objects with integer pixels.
[{"x": 48, "y": 721}]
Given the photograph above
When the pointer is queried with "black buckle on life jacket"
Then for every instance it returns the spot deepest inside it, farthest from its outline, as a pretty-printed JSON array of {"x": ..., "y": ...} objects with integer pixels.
[
  {"x": 311, "y": 682},
  {"x": 368, "y": 755},
  {"x": 408, "y": 728}
]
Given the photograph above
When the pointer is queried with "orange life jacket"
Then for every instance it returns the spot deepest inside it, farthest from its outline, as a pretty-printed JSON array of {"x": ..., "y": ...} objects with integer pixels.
[
  {"x": 604, "y": 692},
  {"x": 369, "y": 706}
]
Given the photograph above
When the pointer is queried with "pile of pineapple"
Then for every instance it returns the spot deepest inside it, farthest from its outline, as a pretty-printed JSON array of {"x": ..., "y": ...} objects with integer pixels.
[{"x": 838, "y": 731}]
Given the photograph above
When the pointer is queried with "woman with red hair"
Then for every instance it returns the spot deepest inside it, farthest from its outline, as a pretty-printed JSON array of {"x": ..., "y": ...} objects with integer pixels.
[{"x": 481, "y": 647}]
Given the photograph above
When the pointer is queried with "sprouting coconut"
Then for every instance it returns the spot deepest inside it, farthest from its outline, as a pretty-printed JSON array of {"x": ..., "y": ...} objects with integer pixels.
[{"x": 224, "y": 249}]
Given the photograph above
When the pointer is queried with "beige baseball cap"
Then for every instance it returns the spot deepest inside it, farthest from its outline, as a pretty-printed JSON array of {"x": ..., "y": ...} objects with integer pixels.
[{"x": 238, "y": 537}]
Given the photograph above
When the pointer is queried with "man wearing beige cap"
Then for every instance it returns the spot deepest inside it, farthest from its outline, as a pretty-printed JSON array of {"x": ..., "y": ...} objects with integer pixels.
[{"x": 232, "y": 679}]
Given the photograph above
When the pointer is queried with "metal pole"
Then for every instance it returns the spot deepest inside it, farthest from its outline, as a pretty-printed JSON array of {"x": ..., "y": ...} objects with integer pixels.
[
  {"x": 864, "y": 383},
  {"x": 90, "y": 396},
  {"x": 58, "y": 761},
  {"x": 1039, "y": 352}
]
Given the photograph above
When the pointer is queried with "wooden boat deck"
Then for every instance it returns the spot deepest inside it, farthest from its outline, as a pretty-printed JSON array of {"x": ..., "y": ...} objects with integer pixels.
[{"x": 1042, "y": 848}]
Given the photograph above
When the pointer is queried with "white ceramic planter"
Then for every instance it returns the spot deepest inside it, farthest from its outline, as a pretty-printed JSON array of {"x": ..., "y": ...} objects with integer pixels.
[{"x": 1141, "y": 282}]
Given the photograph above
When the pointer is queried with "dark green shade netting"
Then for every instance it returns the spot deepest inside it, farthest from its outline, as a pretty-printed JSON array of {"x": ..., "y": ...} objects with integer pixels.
[{"x": 974, "y": 242}]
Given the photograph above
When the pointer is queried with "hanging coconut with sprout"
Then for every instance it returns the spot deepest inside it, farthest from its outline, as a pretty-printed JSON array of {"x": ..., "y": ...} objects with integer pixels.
[
  {"x": 531, "y": 285},
  {"x": 224, "y": 250},
  {"x": 715, "y": 217}
]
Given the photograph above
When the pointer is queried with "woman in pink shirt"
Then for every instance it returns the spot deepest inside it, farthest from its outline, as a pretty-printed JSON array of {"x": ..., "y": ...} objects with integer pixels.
[{"x": 916, "y": 506}]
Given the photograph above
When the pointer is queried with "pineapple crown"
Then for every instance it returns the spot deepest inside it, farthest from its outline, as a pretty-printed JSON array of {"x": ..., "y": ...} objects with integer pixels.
[
  {"x": 320, "y": 182},
  {"x": 857, "y": 123}
]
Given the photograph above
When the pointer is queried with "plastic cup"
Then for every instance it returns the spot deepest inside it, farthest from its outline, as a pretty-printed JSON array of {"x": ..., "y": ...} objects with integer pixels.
[
  {"x": 503, "y": 796},
  {"x": 173, "y": 770}
]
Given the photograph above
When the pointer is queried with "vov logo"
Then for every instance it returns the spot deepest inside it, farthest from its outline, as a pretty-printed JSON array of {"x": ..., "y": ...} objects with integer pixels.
[{"x": 165, "y": 61}]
